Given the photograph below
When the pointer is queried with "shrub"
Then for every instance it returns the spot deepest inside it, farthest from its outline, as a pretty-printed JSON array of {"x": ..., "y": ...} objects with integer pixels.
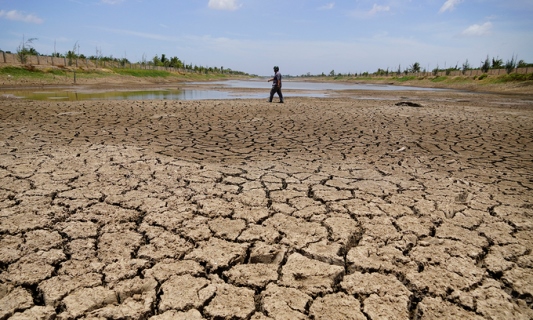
[
  {"x": 15, "y": 71},
  {"x": 483, "y": 76},
  {"x": 514, "y": 77},
  {"x": 466, "y": 66},
  {"x": 510, "y": 65},
  {"x": 486, "y": 65},
  {"x": 25, "y": 49},
  {"x": 439, "y": 79},
  {"x": 406, "y": 78},
  {"x": 520, "y": 77},
  {"x": 142, "y": 73}
]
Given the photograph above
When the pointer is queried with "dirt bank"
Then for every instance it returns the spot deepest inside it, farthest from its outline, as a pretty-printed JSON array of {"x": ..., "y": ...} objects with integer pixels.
[
  {"x": 351, "y": 207},
  {"x": 107, "y": 79}
]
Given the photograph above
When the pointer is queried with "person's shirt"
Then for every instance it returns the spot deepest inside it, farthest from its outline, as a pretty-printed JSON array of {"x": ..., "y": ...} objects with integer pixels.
[{"x": 277, "y": 79}]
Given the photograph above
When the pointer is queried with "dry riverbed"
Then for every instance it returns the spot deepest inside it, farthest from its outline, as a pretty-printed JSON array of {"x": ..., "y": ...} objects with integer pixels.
[{"x": 353, "y": 207}]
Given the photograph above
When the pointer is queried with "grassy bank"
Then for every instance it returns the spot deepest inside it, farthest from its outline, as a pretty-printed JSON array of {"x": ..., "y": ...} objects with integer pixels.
[
  {"x": 519, "y": 83},
  {"x": 184, "y": 76},
  {"x": 53, "y": 75},
  {"x": 27, "y": 76}
]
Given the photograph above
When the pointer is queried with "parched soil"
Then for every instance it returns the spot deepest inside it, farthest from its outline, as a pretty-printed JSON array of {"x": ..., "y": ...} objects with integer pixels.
[{"x": 354, "y": 207}]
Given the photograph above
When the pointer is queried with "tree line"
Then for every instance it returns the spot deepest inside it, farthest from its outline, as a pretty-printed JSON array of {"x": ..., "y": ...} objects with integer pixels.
[
  {"x": 26, "y": 49},
  {"x": 485, "y": 65}
]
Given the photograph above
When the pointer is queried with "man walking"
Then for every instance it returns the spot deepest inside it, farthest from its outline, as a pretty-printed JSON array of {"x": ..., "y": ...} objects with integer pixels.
[{"x": 276, "y": 85}]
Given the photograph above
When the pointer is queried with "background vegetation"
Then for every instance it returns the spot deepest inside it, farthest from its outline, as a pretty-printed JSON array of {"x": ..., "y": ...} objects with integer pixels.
[
  {"x": 163, "y": 66},
  {"x": 416, "y": 69},
  {"x": 26, "y": 49}
]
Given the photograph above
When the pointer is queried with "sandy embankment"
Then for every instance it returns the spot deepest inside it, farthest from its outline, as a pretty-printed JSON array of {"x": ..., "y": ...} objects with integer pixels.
[{"x": 242, "y": 209}]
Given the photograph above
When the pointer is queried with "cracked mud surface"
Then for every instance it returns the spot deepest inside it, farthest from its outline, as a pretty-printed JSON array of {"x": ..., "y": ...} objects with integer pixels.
[{"x": 316, "y": 209}]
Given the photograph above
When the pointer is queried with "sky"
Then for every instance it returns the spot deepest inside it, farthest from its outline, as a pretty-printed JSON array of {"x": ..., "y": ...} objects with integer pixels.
[{"x": 299, "y": 36}]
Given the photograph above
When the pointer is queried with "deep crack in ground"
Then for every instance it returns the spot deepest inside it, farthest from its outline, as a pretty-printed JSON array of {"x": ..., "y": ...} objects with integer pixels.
[{"x": 339, "y": 208}]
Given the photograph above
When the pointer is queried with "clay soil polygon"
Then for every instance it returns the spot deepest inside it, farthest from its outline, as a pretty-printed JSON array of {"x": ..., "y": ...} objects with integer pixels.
[{"x": 329, "y": 208}]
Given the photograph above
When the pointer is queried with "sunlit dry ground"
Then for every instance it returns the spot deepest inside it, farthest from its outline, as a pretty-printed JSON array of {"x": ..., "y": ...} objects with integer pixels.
[{"x": 337, "y": 208}]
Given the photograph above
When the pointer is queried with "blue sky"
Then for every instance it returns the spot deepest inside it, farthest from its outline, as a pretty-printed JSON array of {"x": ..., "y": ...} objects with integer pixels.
[{"x": 299, "y": 36}]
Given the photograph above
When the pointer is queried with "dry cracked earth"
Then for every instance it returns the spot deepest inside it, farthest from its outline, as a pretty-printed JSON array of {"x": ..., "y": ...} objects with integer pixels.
[{"x": 333, "y": 208}]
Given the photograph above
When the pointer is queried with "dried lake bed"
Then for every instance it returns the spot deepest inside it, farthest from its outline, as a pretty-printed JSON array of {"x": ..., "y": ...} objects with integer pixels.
[{"x": 334, "y": 207}]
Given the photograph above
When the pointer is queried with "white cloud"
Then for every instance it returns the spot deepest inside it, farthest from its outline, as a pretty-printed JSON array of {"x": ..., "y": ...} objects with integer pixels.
[
  {"x": 19, "y": 16},
  {"x": 449, "y": 5},
  {"x": 478, "y": 30},
  {"x": 377, "y": 8},
  {"x": 224, "y": 5},
  {"x": 328, "y": 6}
]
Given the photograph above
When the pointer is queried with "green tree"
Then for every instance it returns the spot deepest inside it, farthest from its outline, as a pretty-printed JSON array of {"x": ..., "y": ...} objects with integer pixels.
[
  {"x": 71, "y": 55},
  {"x": 123, "y": 62},
  {"x": 485, "y": 66},
  {"x": 523, "y": 64},
  {"x": 164, "y": 61},
  {"x": 415, "y": 67},
  {"x": 466, "y": 66},
  {"x": 449, "y": 70},
  {"x": 381, "y": 72},
  {"x": 497, "y": 63},
  {"x": 332, "y": 73},
  {"x": 25, "y": 49},
  {"x": 175, "y": 62},
  {"x": 436, "y": 70},
  {"x": 510, "y": 65},
  {"x": 157, "y": 61}
]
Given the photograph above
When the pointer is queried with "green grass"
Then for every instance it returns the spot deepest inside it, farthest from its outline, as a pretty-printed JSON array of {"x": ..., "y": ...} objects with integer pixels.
[
  {"x": 368, "y": 78},
  {"x": 458, "y": 79},
  {"x": 18, "y": 72},
  {"x": 405, "y": 78},
  {"x": 142, "y": 73},
  {"x": 442, "y": 81},
  {"x": 32, "y": 73},
  {"x": 148, "y": 73},
  {"x": 439, "y": 79},
  {"x": 513, "y": 77}
]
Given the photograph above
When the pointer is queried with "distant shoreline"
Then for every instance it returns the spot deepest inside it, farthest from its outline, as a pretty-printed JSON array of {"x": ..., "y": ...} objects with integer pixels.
[{"x": 109, "y": 79}]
